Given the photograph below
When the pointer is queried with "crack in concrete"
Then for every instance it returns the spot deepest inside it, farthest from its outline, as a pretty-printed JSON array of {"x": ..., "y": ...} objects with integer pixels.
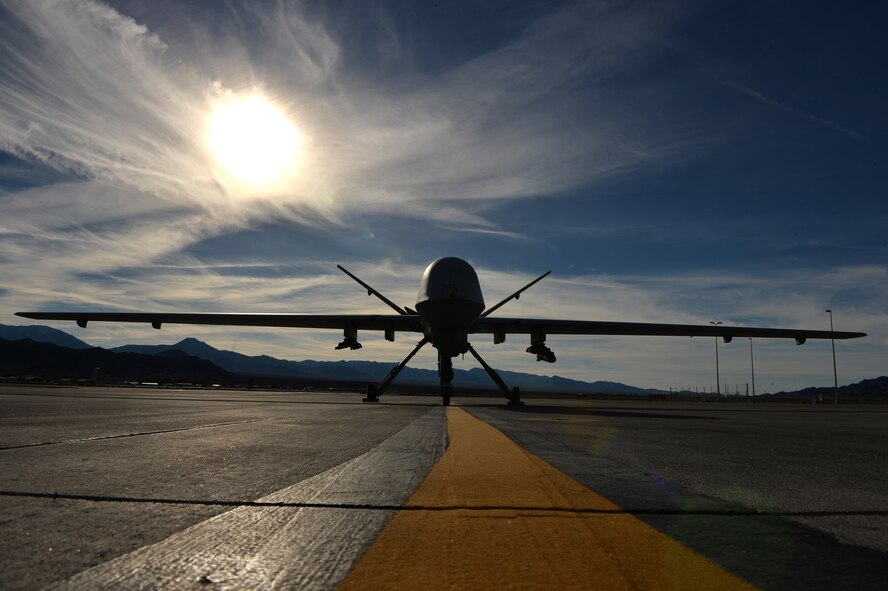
[{"x": 136, "y": 434}]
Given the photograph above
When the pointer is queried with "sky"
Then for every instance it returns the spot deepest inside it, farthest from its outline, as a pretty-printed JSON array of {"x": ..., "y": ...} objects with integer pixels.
[{"x": 679, "y": 162}]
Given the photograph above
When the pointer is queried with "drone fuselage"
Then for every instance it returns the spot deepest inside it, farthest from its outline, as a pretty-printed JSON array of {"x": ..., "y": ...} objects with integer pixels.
[{"x": 449, "y": 302}]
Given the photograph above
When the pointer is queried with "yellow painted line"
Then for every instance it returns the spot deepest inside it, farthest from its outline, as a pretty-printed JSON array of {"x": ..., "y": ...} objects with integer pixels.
[{"x": 547, "y": 546}]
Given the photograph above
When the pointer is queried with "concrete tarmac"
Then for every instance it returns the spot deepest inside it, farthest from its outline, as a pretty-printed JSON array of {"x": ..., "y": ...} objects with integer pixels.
[
  {"x": 143, "y": 488},
  {"x": 786, "y": 496}
]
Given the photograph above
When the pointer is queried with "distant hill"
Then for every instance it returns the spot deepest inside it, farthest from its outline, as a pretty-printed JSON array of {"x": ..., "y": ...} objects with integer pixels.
[
  {"x": 239, "y": 368},
  {"x": 27, "y": 357},
  {"x": 41, "y": 334},
  {"x": 373, "y": 371},
  {"x": 866, "y": 389}
]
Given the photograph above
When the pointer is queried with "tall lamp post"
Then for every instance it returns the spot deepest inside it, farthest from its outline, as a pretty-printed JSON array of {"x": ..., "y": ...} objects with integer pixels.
[
  {"x": 717, "y": 377},
  {"x": 752, "y": 366},
  {"x": 835, "y": 373}
]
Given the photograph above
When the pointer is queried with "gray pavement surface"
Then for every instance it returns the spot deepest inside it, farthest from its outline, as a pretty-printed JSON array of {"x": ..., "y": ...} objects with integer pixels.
[
  {"x": 127, "y": 488},
  {"x": 787, "y": 496},
  {"x": 305, "y": 536},
  {"x": 109, "y": 453}
]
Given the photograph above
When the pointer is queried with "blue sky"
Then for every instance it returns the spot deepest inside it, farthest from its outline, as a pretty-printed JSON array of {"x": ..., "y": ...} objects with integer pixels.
[{"x": 670, "y": 162}]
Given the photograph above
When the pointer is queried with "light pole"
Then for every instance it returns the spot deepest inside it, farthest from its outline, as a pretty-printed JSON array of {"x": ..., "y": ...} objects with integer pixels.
[
  {"x": 835, "y": 373},
  {"x": 752, "y": 366},
  {"x": 717, "y": 378}
]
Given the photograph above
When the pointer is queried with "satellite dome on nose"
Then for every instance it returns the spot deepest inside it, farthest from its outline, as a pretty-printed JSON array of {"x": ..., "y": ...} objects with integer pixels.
[{"x": 450, "y": 278}]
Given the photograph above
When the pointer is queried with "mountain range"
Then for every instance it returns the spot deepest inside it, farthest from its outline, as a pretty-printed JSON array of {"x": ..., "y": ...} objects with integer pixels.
[
  {"x": 263, "y": 366},
  {"x": 373, "y": 371},
  {"x": 42, "y": 334},
  {"x": 26, "y": 357},
  {"x": 42, "y": 350}
]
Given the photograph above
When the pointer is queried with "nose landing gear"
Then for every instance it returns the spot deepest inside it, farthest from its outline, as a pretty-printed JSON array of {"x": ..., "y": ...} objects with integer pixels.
[{"x": 445, "y": 372}]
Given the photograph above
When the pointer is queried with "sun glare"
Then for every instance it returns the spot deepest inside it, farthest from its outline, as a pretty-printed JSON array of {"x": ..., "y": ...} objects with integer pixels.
[{"x": 254, "y": 141}]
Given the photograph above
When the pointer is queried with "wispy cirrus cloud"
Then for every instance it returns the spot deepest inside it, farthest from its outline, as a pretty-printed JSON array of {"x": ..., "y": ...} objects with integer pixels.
[
  {"x": 93, "y": 94},
  {"x": 108, "y": 100},
  {"x": 797, "y": 112},
  {"x": 122, "y": 111}
]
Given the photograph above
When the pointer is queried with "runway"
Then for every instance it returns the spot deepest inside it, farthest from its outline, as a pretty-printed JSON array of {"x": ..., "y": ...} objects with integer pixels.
[{"x": 140, "y": 488}]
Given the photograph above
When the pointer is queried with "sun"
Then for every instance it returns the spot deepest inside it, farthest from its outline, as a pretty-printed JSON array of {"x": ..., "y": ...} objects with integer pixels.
[{"x": 254, "y": 141}]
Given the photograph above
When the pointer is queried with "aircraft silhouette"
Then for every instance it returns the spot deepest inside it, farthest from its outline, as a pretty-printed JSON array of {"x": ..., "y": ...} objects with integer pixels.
[{"x": 448, "y": 309}]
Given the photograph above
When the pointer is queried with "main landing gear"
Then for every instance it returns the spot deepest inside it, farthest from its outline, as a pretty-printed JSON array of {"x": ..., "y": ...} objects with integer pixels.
[
  {"x": 514, "y": 395},
  {"x": 374, "y": 392},
  {"x": 445, "y": 373}
]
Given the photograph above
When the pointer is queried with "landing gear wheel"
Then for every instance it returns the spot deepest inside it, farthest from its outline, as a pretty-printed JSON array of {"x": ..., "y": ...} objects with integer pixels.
[
  {"x": 446, "y": 391},
  {"x": 515, "y": 398},
  {"x": 371, "y": 394}
]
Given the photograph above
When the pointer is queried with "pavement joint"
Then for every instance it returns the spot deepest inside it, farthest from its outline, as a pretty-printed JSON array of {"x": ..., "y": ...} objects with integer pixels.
[{"x": 136, "y": 434}]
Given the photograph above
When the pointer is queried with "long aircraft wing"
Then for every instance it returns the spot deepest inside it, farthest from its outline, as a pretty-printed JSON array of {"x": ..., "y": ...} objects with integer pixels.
[
  {"x": 396, "y": 322},
  {"x": 503, "y": 325},
  {"x": 411, "y": 323}
]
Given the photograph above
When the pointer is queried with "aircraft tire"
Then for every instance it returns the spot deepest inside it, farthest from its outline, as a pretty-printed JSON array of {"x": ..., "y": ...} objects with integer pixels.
[{"x": 371, "y": 394}]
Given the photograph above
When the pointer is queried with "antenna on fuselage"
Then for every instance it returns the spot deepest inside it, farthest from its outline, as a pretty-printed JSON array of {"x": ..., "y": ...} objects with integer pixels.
[
  {"x": 515, "y": 295},
  {"x": 371, "y": 291}
]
